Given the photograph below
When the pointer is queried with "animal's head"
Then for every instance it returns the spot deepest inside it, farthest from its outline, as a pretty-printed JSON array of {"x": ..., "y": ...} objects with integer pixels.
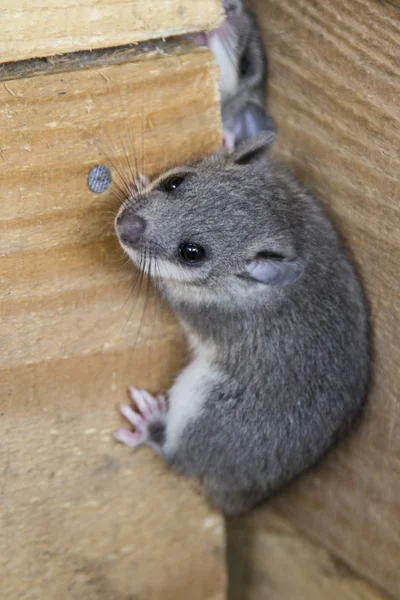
[{"x": 218, "y": 224}]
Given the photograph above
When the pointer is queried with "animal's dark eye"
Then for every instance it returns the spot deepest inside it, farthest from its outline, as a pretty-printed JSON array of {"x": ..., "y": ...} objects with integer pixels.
[
  {"x": 170, "y": 184},
  {"x": 191, "y": 253}
]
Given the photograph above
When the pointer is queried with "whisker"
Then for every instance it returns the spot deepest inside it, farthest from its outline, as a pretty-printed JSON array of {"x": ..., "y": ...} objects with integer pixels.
[
  {"x": 138, "y": 283},
  {"x": 127, "y": 188},
  {"x": 146, "y": 272},
  {"x": 163, "y": 311},
  {"x": 134, "y": 281},
  {"x": 131, "y": 169},
  {"x": 142, "y": 132},
  {"x": 156, "y": 305},
  {"x": 132, "y": 137},
  {"x": 124, "y": 184},
  {"x": 128, "y": 168}
]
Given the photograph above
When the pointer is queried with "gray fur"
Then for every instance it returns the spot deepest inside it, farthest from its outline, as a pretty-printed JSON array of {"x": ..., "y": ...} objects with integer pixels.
[
  {"x": 248, "y": 122},
  {"x": 242, "y": 109},
  {"x": 293, "y": 358}
]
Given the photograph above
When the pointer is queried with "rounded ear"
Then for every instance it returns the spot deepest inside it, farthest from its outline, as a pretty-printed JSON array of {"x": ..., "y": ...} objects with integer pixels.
[
  {"x": 253, "y": 148},
  {"x": 274, "y": 270}
]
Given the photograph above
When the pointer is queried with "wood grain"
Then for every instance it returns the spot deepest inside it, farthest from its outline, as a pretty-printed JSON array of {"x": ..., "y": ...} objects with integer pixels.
[
  {"x": 91, "y": 59},
  {"x": 268, "y": 558},
  {"x": 82, "y": 516},
  {"x": 334, "y": 92},
  {"x": 32, "y": 28},
  {"x": 60, "y": 255}
]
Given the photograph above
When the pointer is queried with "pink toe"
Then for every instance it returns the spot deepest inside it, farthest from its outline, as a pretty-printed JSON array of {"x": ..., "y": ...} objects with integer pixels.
[
  {"x": 141, "y": 402},
  {"x": 127, "y": 437},
  {"x": 162, "y": 405},
  {"x": 149, "y": 400},
  {"x": 131, "y": 415}
]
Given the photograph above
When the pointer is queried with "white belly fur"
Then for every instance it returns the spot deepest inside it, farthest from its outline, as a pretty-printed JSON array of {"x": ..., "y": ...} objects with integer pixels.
[
  {"x": 228, "y": 68},
  {"x": 188, "y": 395}
]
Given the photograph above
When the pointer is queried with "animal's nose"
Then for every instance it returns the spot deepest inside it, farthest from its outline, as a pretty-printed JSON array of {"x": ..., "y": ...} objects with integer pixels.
[{"x": 130, "y": 228}]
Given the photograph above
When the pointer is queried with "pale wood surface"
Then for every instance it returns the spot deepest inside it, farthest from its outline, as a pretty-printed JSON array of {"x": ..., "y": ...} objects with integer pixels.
[
  {"x": 270, "y": 560},
  {"x": 334, "y": 92},
  {"x": 33, "y": 28},
  {"x": 87, "y": 59},
  {"x": 81, "y": 516}
]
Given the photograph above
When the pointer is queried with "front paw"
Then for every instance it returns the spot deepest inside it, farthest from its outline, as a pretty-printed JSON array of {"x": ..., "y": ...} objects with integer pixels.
[{"x": 149, "y": 421}]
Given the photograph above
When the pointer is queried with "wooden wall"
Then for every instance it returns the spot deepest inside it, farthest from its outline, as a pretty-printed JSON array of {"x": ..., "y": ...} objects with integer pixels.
[
  {"x": 33, "y": 28},
  {"x": 269, "y": 559},
  {"x": 82, "y": 516},
  {"x": 334, "y": 91}
]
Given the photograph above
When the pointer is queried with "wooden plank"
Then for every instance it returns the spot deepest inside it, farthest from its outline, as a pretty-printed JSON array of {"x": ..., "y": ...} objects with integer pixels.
[
  {"x": 268, "y": 558},
  {"x": 33, "y": 29},
  {"x": 82, "y": 516},
  {"x": 92, "y": 59},
  {"x": 57, "y": 234},
  {"x": 334, "y": 93},
  {"x": 85, "y": 518}
]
